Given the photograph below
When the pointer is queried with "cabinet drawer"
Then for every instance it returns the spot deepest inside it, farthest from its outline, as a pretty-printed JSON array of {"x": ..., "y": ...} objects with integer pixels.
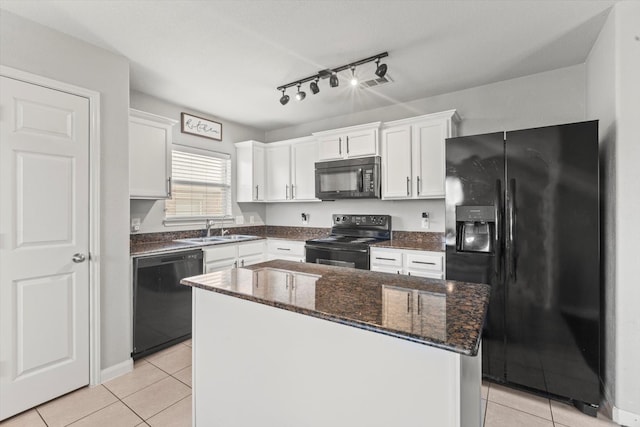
[
  {"x": 385, "y": 269},
  {"x": 220, "y": 252},
  {"x": 251, "y": 248},
  {"x": 219, "y": 265},
  {"x": 286, "y": 247},
  {"x": 422, "y": 261},
  {"x": 425, "y": 273},
  {"x": 386, "y": 258}
]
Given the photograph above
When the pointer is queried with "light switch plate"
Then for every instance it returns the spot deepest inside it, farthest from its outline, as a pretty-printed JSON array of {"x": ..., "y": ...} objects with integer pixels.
[
  {"x": 135, "y": 224},
  {"x": 425, "y": 222}
]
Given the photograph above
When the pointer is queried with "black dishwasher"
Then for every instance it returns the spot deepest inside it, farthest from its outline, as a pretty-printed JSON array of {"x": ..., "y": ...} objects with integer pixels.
[{"x": 161, "y": 305}]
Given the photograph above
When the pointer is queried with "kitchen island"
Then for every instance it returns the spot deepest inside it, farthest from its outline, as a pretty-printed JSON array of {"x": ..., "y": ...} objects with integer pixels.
[{"x": 294, "y": 344}]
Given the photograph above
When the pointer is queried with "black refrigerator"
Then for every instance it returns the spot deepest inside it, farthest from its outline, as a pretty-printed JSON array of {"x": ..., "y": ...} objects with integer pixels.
[{"x": 522, "y": 215}]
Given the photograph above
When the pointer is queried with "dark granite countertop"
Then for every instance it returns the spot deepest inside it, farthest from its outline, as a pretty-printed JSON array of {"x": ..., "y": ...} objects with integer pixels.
[
  {"x": 153, "y": 243},
  {"x": 441, "y": 313}
]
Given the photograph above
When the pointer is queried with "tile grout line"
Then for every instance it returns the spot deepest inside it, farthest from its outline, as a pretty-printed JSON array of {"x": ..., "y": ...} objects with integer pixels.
[
  {"x": 127, "y": 406},
  {"x": 173, "y": 404},
  {"x": 41, "y": 417}
]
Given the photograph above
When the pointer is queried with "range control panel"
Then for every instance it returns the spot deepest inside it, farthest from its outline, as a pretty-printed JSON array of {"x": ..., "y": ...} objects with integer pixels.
[{"x": 361, "y": 220}]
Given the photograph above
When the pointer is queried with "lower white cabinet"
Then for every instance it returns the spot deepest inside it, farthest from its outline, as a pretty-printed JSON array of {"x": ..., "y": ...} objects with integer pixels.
[
  {"x": 409, "y": 262},
  {"x": 290, "y": 250},
  {"x": 231, "y": 255}
]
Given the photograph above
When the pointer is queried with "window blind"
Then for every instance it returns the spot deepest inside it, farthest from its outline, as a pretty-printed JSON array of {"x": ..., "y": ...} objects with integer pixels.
[{"x": 201, "y": 186}]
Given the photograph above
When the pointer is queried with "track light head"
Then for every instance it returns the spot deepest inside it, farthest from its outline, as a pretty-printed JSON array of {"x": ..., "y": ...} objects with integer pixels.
[
  {"x": 333, "y": 80},
  {"x": 301, "y": 94},
  {"x": 314, "y": 87},
  {"x": 354, "y": 79},
  {"x": 284, "y": 98},
  {"x": 381, "y": 69}
]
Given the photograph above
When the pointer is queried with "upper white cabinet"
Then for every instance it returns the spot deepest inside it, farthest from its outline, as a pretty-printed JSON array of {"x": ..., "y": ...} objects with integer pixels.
[
  {"x": 290, "y": 170},
  {"x": 150, "y": 141},
  {"x": 354, "y": 141},
  {"x": 250, "y": 172},
  {"x": 413, "y": 155}
]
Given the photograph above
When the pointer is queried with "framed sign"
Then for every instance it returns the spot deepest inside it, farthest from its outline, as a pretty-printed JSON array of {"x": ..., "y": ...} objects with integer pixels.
[{"x": 201, "y": 127}]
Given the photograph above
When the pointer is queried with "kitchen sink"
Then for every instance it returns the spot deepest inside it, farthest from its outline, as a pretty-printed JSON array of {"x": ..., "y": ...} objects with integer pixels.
[{"x": 212, "y": 240}]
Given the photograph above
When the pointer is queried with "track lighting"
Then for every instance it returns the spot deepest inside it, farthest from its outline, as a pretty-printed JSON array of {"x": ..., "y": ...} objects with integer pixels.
[
  {"x": 381, "y": 69},
  {"x": 284, "y": 98},
  {"x": 301, "y": 94},
  {"x": 332, "y": 75},
  {"x": 314, "y": 86}
]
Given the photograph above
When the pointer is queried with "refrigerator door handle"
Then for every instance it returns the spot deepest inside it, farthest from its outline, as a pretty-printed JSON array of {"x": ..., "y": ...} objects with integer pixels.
[
  {"x": 513, "y": 218},
  {"x": 498, "y": 230}
]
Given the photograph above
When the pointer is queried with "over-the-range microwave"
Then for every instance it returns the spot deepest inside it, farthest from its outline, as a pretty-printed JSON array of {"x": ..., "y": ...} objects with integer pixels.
[{"x": 348, "y": 179}]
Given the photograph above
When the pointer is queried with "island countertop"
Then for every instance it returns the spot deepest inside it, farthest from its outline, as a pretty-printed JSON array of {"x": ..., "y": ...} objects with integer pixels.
[{"x": 445, "y": 314}]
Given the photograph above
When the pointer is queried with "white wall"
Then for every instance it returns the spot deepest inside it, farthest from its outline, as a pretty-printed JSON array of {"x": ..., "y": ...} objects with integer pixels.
[
  {"x": 613, "y": 96},
  {"x": 627, "y": 18},
  {"x": 601, "y": 105},
  {"x": 542, "y": 99},
  {"x": 151, "y": 212},
  {"x": 31, "y": 47}
]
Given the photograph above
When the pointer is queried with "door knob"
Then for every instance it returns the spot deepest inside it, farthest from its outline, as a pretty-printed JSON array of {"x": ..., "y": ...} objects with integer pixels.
[{"x": 78, "y": 258}]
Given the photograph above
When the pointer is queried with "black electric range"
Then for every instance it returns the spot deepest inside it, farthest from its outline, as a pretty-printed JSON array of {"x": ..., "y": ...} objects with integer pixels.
[{"x": 349, "y": 241}]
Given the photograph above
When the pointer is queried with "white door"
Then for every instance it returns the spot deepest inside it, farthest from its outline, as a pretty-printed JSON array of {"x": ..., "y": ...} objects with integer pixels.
[
  {"x": 396, "y": 162},
  {"x": 305, "y": 155},
  {"x": 278, "y": 182},
  {"x": 44, "y": 226}
]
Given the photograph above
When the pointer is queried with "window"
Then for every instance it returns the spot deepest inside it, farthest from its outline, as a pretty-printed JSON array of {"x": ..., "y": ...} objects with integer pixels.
[{"x": 201, "y": 185}]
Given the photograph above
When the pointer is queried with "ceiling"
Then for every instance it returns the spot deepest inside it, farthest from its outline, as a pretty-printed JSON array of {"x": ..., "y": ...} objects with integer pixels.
[{"x": 226, "y": 58}]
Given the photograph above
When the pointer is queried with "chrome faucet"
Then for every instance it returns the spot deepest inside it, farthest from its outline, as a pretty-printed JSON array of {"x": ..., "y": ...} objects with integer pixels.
[{"x": 210, "y": 224}]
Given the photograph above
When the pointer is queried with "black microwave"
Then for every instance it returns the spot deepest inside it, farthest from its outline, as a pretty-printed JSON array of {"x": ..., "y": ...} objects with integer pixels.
[{"x": 348, "y": 179}]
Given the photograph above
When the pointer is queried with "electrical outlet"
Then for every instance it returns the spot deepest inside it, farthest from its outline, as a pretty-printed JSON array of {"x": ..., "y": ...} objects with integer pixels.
[
  {"x": 305, "y": 218},
  {"x": 425, "y": 219},
  {"x": 135, "y": 224}
]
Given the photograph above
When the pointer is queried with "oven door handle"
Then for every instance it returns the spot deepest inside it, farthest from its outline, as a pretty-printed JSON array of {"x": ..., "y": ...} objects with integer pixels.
[
  {"x": 325, "y": 248},
  {"x": 360, "y": 180}
]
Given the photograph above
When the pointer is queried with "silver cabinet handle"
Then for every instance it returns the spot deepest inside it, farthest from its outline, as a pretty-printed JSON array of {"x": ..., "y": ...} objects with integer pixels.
[
  {"x": 408, "y": 302},
  {"x": 169, "y": 185},
  {"x": 242, "y": 263},
  {"x": 418, "y": 182},
  {"x": 286, "y": 192},
  {"x": 423, "y": 262},
  {"x": 347, "y": 145},
  {"x": 408, "y": 185},
  {"x": 292, "y": 193},
  {"x": 256, "y": 192},
  {"x": 78, "y": 258},
  {"x": 340, "y": 146},
  {"x": 385, "y": 259},
  {"x": 283, "y": 249},
  {"x": 419, "y": 301}
]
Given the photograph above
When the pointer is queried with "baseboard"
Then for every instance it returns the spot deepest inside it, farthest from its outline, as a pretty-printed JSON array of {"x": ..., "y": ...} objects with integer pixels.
[
  {"x": 624, "y": 418},
  {"x": 116, "y": 370}
]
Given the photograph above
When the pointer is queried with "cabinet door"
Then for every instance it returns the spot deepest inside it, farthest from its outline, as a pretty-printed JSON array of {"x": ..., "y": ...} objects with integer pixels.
[
  {"x": 258, "y": 172},
  {"x": 330, "y": 148},
  {"x": 397, "y": 309},
  {"x": 304, "y": 291},
  {"x": 149, "y": 156},
  {"x": 396, "y": 162},
  {"x": 429, "y": 146},
  {"x": 361, "y": 143},
  {"x": 303, "y": 184},
  {"x": 223, "y": 264},
  {"x": 278, "y": 166}
]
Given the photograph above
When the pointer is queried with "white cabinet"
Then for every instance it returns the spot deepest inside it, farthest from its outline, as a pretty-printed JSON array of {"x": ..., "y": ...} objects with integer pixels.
[
  {"x": 250, "y": 171},
  {"x": 290, "y": 250},
  {"x": 354, "y": 141},
  {"x": 298, "y": 289},
  {"x": 150, "y": 141},
  {"x": 290, "y": 170},
  {"x": 229, "y": 255},
  {"x": 304, "y": 155},
  {"x": 278, "y": 172},
  {"x": 413, "y": 155},
  {"x": 409, "y": 262}
]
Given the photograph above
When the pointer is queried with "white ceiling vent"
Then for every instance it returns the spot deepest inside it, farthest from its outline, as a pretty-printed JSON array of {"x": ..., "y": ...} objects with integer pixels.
[{"x": 377, "y": 81}]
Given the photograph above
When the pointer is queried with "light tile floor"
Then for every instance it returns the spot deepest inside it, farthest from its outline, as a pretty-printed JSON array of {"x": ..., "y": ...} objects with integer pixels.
[{"x": 157, "y": 393}]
